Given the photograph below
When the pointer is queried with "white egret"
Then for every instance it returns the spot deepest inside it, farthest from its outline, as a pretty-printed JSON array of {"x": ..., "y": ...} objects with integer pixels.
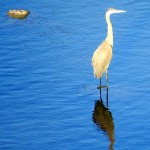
[{"x": 103, "y": 54}]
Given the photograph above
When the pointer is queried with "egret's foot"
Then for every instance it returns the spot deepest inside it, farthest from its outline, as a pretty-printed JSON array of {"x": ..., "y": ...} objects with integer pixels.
[{"x": 102, "y": 86}]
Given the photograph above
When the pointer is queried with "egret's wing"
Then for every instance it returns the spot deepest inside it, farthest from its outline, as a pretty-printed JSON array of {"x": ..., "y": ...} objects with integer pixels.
[{"x": 101, "y": 58}]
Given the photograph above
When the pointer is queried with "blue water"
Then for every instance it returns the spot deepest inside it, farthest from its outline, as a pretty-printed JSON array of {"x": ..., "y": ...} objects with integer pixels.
[{"x": 48, "y": 94}]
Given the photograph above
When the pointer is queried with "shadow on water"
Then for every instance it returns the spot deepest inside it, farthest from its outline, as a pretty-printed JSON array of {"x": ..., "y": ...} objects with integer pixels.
[{"x": 102, "y": 117}]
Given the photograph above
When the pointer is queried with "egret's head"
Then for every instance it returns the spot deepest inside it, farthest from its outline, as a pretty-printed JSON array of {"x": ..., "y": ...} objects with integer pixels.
[{"x": 113, "y": 11}]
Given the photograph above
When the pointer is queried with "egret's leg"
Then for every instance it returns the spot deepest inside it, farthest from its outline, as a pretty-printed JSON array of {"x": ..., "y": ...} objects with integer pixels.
[
  {"x": 107, "y": 97},
  {"x": 100, "y": 90},
  {"x": 100, "y": 84},
  {"x": 100, "y": 81},
  {"x": 107, "y": 78}
]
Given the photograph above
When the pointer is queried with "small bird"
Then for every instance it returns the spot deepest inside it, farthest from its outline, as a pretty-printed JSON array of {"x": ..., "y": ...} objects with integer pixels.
[{"x": 103, "y": 54}]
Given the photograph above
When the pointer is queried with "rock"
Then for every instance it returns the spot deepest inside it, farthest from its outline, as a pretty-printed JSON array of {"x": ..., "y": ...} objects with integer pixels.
[{"x": 18, "y": 14}]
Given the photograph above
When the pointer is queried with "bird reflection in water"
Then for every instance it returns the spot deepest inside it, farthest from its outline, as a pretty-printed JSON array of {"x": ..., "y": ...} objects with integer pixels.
[{"x": 102, "y": 117}]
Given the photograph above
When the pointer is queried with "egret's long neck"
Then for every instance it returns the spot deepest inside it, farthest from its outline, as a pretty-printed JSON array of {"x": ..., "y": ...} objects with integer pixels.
[{"x": 109, "y": 37}]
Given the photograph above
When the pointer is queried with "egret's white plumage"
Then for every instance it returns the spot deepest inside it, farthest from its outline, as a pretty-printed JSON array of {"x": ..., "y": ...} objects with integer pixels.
[
  {"x": 103, "y": 54},
  {"x": 101, "y": 59}
]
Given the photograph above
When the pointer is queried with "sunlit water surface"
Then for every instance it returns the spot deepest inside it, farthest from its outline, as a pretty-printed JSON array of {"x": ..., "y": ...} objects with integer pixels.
[{"x": 48, "y": 95}]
